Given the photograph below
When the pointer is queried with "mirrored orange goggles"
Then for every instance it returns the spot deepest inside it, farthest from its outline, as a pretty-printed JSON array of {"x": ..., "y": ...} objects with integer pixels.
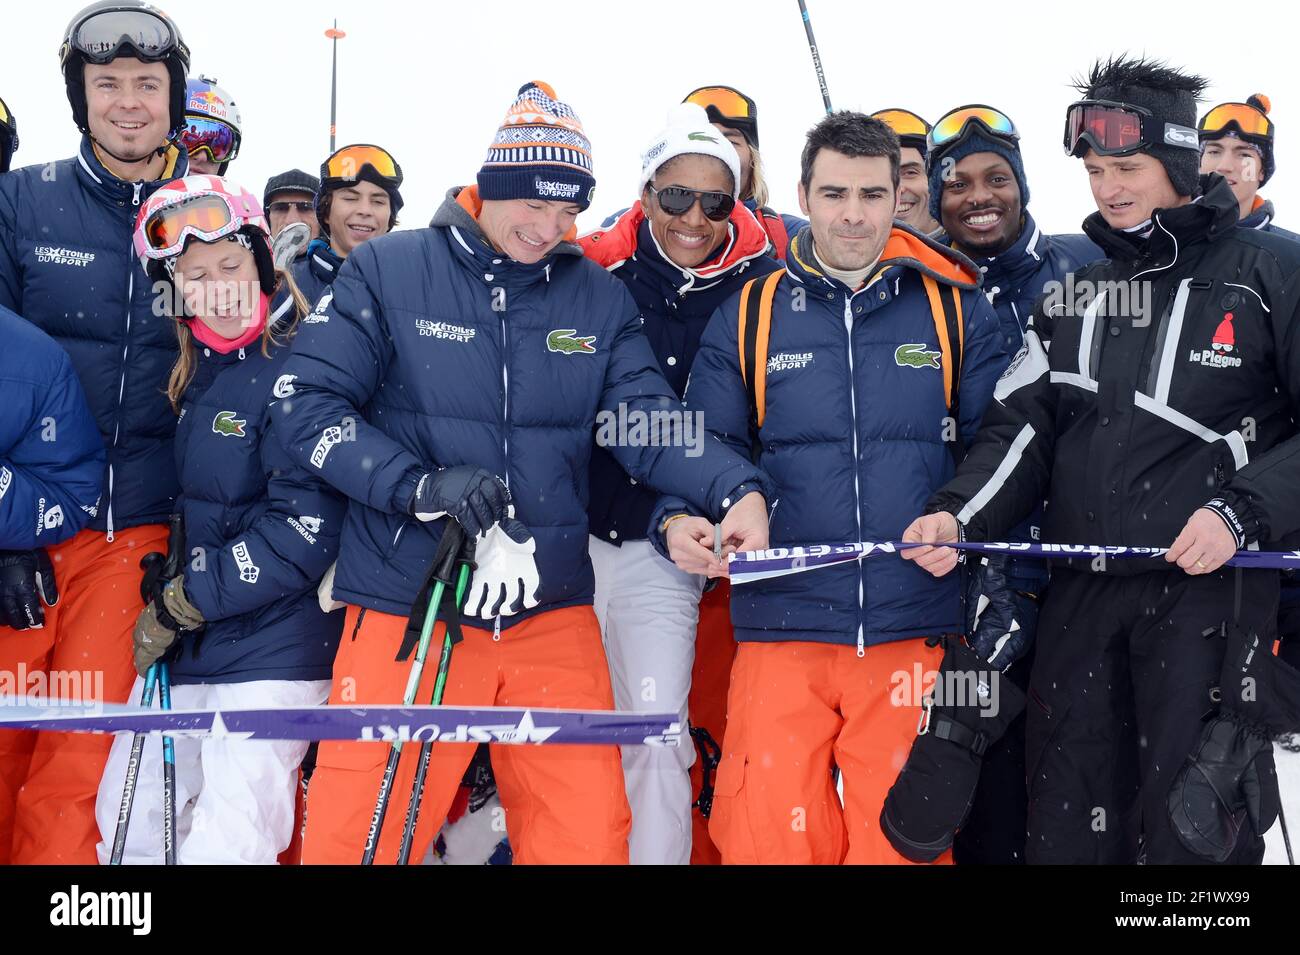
[
  {"x": 348, "y": 162},
  {"x": 207, "y": 218},
  {"x": 903, "y": 122},
  {"x": 730, "y": 103},
  {"x": 1249, "y": 120}
]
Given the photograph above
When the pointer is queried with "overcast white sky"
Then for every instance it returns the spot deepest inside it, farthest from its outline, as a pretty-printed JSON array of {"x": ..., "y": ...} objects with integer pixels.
[{"x": 431, "y": 83}]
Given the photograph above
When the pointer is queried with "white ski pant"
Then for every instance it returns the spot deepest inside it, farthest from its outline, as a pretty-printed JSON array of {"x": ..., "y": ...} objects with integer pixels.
[
  {"x": 234, "y": 797},
  {"x": 648, "y": 611}
]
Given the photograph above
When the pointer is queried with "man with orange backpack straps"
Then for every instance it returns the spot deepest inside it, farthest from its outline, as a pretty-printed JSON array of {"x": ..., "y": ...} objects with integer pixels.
[{"x": 854, "y": 415}]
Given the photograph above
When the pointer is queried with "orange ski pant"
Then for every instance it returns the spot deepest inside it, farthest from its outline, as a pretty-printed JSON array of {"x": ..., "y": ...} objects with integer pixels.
[
  {"x": 562, "y": 803},
  {"x": 793, "y": 709},
  {"x": 49, "y": 781},
  {"x": 715, "y": 649}
]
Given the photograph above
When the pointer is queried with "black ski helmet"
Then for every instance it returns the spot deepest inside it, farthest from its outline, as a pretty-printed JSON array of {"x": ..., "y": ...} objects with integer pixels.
[
  {"x": 8, "y": 136},
  {"x": 126, "y": 28}
]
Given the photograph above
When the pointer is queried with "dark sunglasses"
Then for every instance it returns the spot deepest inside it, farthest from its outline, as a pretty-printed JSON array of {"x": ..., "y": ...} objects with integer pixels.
[
  {"x": 285, "y": 206},
  {"x": 677, "y": 201}
]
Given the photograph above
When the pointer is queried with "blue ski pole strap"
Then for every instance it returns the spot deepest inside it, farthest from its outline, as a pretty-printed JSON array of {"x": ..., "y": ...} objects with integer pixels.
[{"x": 750, "y": 566}]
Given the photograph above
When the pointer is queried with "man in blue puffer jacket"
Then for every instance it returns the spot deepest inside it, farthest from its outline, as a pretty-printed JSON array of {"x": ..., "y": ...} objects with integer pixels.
[
  {"x": 51, "y": 475},
  {"x": 979, "y": 193},
  {"x": 66, "y": 267},
  {"x": 454, "y": 363},
  {"x": 51, "y": 470},
  {"x": 857, "y": 422}
]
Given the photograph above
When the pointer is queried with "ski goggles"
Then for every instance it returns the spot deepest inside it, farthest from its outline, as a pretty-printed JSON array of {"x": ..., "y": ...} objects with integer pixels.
[
  {"x": 728, "y": 107},
  {"x": 348, "y": 162},
  {"x": 1248, "y": 120},
  {"x": 912, "y": 130},
  {"x": 206, "y": 218},
  {"x": 677, "y": 201},
  {"x": 1119, "y": 129},
  {"x": 957, "y": 124},
  {"x": 903, "y": 122},
  {"x": 219, "y": 140},
  {"x": 101, "y": 36}
]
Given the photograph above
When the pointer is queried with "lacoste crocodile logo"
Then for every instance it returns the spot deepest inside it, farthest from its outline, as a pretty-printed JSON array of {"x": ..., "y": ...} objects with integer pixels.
[
  {"x": 915, "y": 355},
  {"x": 700, "y": 138},
  {"x": 225, "y": 423},
  {"x": 567, "y": 341}
]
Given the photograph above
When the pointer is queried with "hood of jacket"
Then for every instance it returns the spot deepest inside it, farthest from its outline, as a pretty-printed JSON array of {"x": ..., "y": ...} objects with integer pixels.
[
  {"x": 905, "y": 248},
  {"x": 630, "y": 235}
]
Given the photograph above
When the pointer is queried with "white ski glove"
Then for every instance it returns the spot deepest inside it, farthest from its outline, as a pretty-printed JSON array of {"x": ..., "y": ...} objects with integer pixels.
[
  {"x": 325, "y": 592},
  {"x": 290, "y": 243},
  {"x": 505, "y": 580}
]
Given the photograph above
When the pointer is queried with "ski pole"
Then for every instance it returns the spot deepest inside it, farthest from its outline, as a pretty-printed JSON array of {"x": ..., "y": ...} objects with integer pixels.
[
  {"x": 132, "y": 773},
  {"x": 169, "y": 771},
  {"x": 443, "y": 563},
  {"x": 1286, "y": 836},
  {"x": 170, "y": 567},
  {"x": 816, "y": 57},
  {"x": 426, "y": 747}
]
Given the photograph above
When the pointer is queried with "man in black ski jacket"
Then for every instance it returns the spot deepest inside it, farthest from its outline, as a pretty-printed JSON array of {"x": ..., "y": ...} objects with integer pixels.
[{"x": 1163, "y": 416}]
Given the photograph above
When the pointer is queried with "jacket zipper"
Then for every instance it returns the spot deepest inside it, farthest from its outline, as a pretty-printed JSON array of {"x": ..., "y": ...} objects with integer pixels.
[
  {"x": 857, "y": 498},
  {"x": 121, "y": 384},
  {"x": 505, "y": 428}
]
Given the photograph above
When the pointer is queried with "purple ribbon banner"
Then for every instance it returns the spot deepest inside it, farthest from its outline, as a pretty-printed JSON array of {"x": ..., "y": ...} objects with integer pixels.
[
  {"x": 384, "y": 724},
  {"x": 750, "y": 566}
]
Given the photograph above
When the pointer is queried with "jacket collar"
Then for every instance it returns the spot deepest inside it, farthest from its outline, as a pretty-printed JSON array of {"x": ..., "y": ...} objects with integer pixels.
[
  {"x": 904, "y": 249},
  {"x": 1261, "y": 214},
  {"x": 1210, "y": 216},
  {"x": 1011, "y": 269},
  {"x": 458, "y": 214},
  {"x": 630, "y": 237},
  {"x": 96, "y": 177}
]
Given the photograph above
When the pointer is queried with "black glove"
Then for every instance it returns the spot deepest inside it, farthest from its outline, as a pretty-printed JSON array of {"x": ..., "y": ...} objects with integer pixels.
[
  {"x": 1000, "y": 619},
  {"x": 153, "y": 581},
  {"x": 474, "y": 498},
  {"x": 1229, "y": 779},
  {"x": 26, "y": 579}
]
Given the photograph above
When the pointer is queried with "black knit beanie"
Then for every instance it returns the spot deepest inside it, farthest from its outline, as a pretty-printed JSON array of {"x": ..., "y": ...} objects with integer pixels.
[{"x": 1170, "y": 95}]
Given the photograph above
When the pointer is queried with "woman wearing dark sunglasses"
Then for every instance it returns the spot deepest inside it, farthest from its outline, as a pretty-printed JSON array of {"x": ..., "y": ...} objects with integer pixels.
[{"x": 686, "y": 247}]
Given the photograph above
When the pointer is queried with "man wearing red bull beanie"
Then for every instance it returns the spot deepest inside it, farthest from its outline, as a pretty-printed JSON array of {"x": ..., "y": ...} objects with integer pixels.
[{"x": 470, "y": 361}]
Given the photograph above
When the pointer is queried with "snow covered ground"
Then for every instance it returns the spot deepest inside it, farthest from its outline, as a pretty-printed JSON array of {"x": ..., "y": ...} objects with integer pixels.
[{"x": 1288, "y": 774}]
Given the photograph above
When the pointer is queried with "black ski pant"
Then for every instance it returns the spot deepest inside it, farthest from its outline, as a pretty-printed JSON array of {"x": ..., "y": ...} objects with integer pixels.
[{"x": 1126, "y": 668}]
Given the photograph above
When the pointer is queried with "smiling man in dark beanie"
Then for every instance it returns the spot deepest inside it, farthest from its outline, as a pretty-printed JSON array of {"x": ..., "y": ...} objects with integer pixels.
[
  {"x": 980, "y": 195},
  {"x": 1163, "y": 416}
]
